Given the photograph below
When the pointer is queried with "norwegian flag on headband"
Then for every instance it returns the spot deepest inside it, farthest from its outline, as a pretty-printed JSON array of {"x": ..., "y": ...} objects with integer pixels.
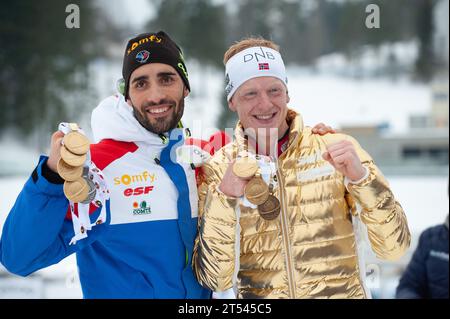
[{"x": 264, "y": 66}]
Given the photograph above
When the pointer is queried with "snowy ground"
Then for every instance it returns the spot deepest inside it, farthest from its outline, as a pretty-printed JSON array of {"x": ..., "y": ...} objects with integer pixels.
[
  {"x": 57, "y": 281},
  {"x": 345, "y": 101}
]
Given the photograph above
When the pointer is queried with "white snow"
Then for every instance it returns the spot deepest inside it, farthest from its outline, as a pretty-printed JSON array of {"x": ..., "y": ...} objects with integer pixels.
[
  {"x": 341, "y": 101},
  {"x": 57, "y": 281}
]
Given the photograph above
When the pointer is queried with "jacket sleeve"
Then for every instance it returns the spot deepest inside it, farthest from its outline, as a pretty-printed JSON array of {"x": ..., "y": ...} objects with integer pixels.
[
  {"x": 413, "y": 283},
  {"x": 36, "y": 233},
  {"x": 385, "y": 219},
  {"x": 214, "y": 250}
]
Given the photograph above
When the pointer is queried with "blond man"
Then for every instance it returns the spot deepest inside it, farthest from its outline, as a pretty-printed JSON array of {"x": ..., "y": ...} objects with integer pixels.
[{"x": 283, "y": 228}]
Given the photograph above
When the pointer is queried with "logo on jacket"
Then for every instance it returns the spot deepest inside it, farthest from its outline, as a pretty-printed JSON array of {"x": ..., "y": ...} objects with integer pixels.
[
  {"x": 130, "y": 179},
  {"x": 141, "y": 208},
  {"x": 137, "y": 191}
]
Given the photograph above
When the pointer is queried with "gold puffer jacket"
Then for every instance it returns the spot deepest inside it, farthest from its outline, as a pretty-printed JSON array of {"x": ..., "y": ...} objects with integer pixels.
[{"x": 310, "y": 250}]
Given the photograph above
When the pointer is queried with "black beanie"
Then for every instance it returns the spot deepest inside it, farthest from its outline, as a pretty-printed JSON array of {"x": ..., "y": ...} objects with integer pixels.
[{"x": 152, "y": 48}]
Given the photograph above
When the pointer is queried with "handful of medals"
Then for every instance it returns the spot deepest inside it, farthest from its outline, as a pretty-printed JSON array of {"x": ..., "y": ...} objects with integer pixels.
[
  {"x": 78, "y": 187},
  {"x": 84, "y": 183},
  {"x": 257, "y": 191}
]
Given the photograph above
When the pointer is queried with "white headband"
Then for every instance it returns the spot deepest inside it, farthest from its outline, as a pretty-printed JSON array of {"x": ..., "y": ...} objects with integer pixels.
[{"x": 251, "y": 63}]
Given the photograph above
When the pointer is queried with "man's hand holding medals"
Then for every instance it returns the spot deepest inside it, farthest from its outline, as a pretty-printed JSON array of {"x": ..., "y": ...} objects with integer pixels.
[
  {"x": 243, "y": 177},
  {"x": 83, "y": 181}
]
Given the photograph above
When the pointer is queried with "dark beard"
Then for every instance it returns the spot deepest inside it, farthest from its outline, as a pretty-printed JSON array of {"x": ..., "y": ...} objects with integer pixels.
[{"x": 160, "y": 126}]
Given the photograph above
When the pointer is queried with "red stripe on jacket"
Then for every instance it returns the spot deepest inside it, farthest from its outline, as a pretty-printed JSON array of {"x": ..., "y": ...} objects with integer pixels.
[{"x": 104, "y": 153}]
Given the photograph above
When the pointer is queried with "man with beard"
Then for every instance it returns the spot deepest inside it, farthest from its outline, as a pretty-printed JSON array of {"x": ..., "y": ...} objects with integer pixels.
[{"x": 144, "y": 247}]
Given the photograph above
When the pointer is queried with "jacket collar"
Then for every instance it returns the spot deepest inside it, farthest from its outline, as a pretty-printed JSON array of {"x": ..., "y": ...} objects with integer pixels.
[{"x": 113, "y": 119}]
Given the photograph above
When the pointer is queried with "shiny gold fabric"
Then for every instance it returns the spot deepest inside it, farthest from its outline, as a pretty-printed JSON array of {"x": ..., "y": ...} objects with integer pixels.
[{"x": 309, "y": 251}]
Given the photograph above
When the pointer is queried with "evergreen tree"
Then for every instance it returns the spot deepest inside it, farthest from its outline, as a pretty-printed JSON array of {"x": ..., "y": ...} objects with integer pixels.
[
  {"x": 257, "y": 18},
  {"x": 198, "y": 26},
  {"x": 44, "y": 65},
  {"x": 426, "y": 59}
]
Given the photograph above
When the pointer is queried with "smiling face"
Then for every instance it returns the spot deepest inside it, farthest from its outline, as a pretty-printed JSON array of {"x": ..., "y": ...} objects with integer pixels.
[
  {"x": 157, "y": 95},
  {"x": 261, "y": 104}
]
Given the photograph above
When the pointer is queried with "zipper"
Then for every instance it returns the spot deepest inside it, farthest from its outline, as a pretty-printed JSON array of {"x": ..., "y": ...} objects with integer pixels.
[{"x": 285, "y": 234}]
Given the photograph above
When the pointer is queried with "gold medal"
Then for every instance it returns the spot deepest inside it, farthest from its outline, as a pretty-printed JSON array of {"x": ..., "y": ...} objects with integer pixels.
[
  {"x": 270, "y": 209},
  {"x": 76, "y": 191},
  {"x": 72, "y": 159},
  {"x": 256, "y": 191},
  {"x": 76, "y": 143},
  {"x": 245, "y": 167},
  {"x": 67, "y": 172}
]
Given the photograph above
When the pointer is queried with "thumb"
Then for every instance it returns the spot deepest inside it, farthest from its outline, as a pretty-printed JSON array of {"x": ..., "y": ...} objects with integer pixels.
[{"x": 56, "y": 138}]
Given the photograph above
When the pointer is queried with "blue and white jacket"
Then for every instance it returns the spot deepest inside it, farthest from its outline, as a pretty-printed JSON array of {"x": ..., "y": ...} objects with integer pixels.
[{"x": 144, "y": 248}]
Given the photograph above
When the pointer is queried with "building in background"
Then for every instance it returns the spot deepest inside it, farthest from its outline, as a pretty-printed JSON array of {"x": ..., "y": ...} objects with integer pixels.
[{"x": 422, "y": 149}]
